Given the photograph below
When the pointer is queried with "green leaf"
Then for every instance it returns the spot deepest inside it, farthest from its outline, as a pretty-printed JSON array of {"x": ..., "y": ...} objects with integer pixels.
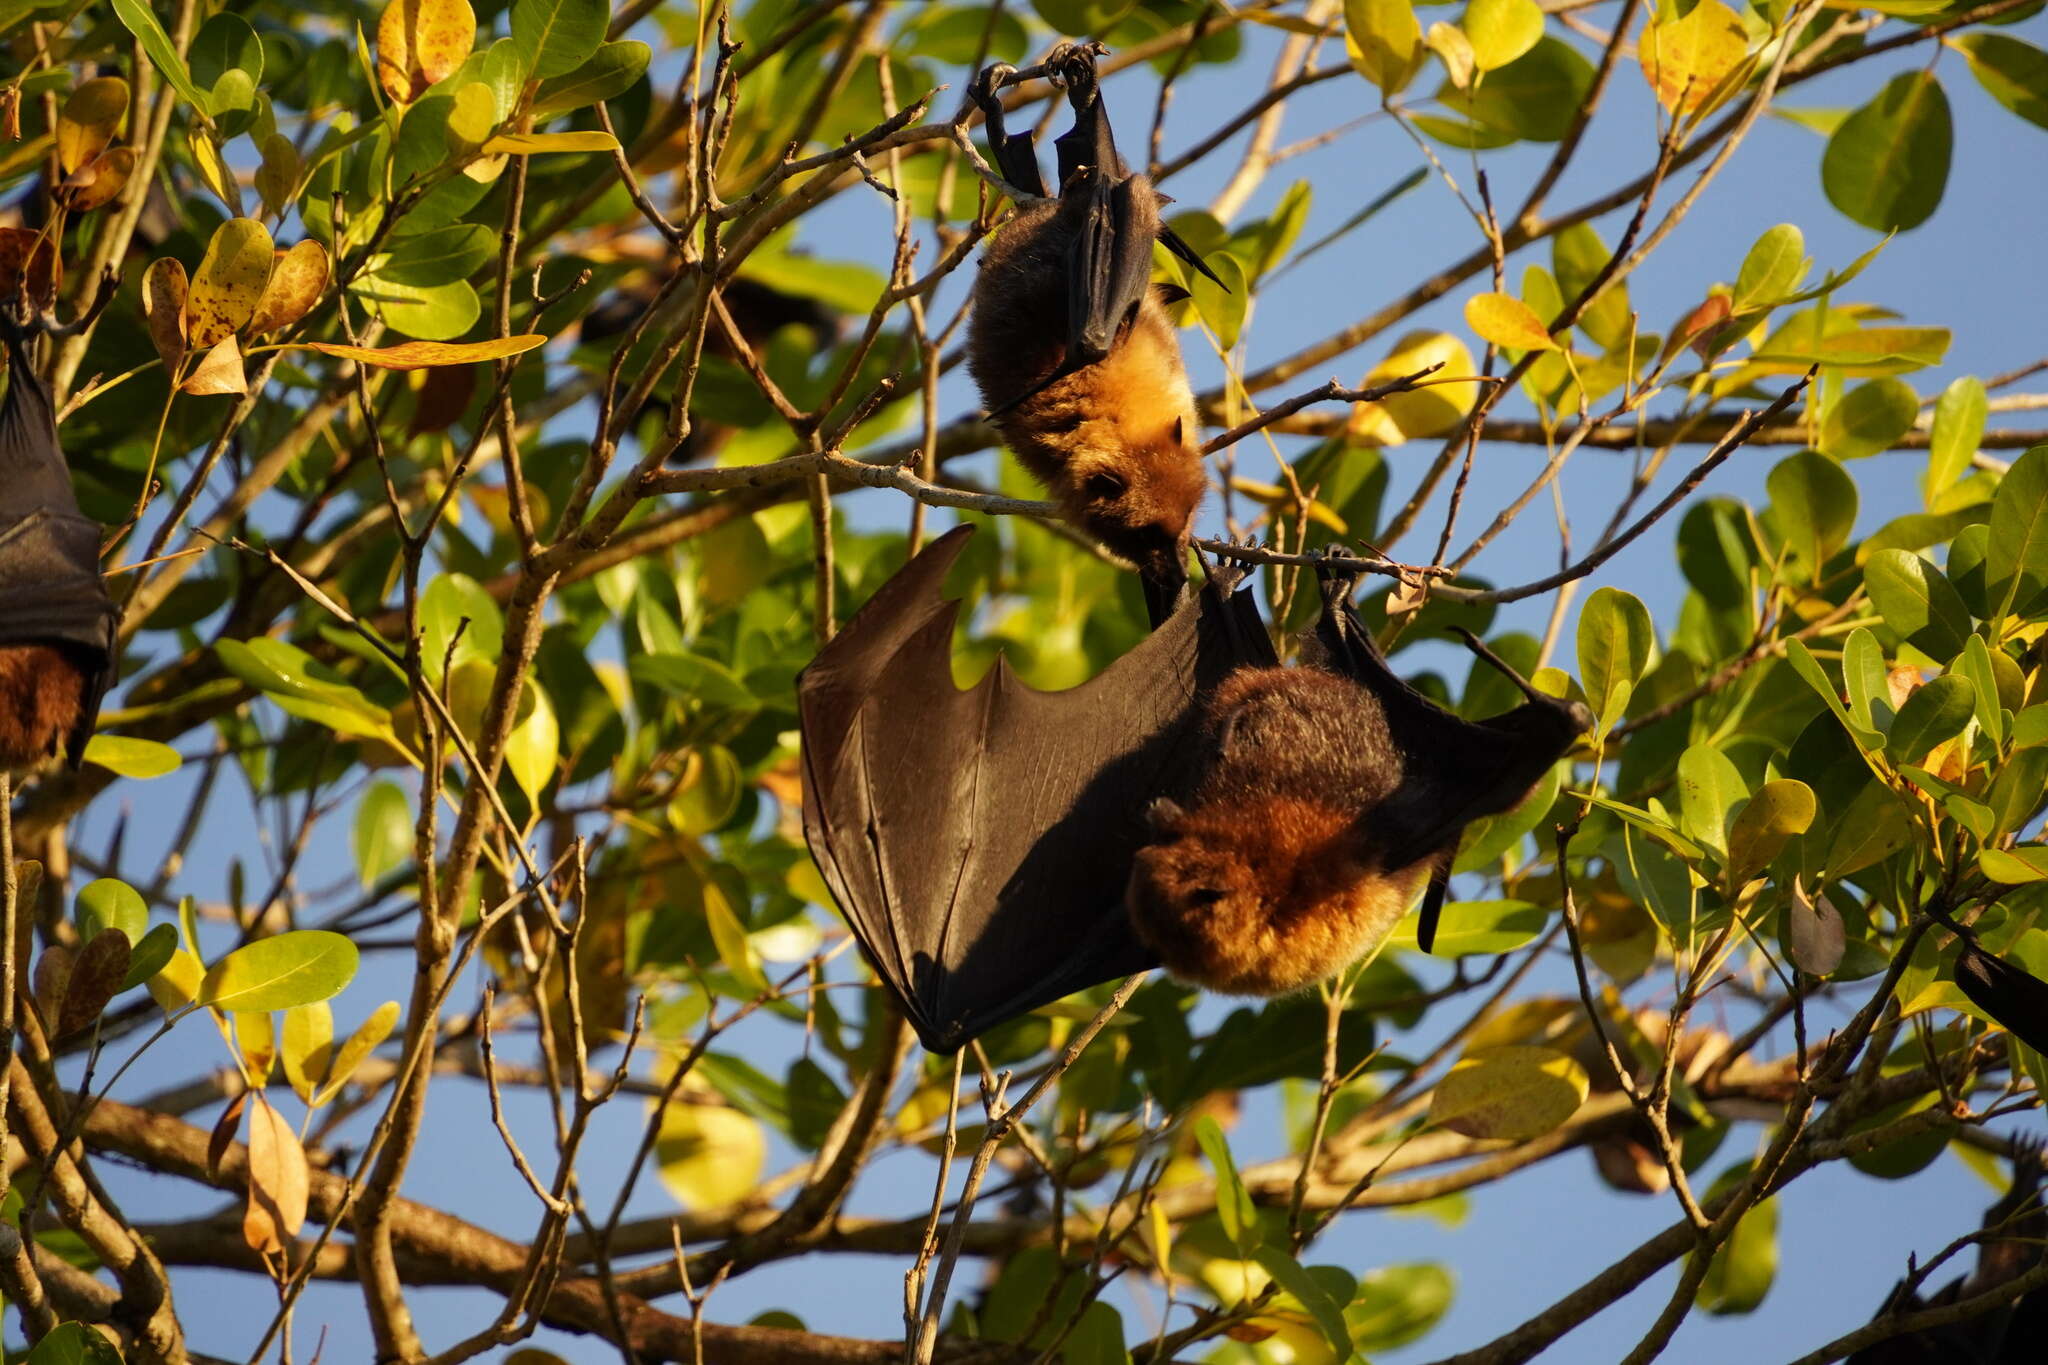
[
  {"x": 611, "y": 71},
  {"x": 1397, "y": 1304},
  {"x": 2016, "y": 565},
  {"x": 360, "y": 1044},
  {"x": 1745, "y": 1265},
  {"x": 1958, "y": 427},
  {"x": 293, "y": 968},
  {"x": 1716, "y": 551},
  {"x": 136, "y": 17},
  {"x": 1289, "y": 1274},
  {"x": 2013, "y": 72},
  {"x": 555, "y": 37},
  {"x": 1709, "y": 785},
  {"x": 1975, "y": 664},
  {"x": 110, "y": 903},
  {"x": 439, "y": 312},
  {"x": 1517, "y": 1093},
  {"x": 1578, "y": 256},
  {"x": 150, "y": 954},
  {"x": 1472, "y": 928},
  {"x": 1806, "y": 666},
  {"x": 1772, "y": 270},
  {"x": 1533, "y": 97},
  {"x": 1615, "y": 640},
  {"x": 1918, "y": 602},
  {"x": 2015, "y": 867},
  {"x": 1873, "y": 828},
  {"x": 729, "y": 936},
  {"x": 1780, "y": 811},
  {"x": 1233, "y": 1201},
  {"x": 1935, "y": 712},
  {"x": 307, "y": 1047},
  {"x": 439, "y": 257},
  {"x": 1887, "y": 165},
  {"x": 1863, "y": 677},
  {"x": 138, "y": 758},
  {"x": 383, "y": 834},
  {"x": 1869, "y": 418},
  {"x": 74, "y": 1343},
  {"x": 1222, "y": 306},
  {"x": 225, "y": 43},
  {"x": 1813, "y": 507}
]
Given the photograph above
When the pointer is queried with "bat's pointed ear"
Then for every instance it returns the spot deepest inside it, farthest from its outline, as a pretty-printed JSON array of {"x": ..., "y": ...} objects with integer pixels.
[
  {"x": 1180, "y": 430},
  {"x": 1164, "y": 815}
]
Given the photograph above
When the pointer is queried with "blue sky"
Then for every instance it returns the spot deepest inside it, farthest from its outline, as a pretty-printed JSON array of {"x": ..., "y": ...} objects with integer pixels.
[{"x": 1843, "y": 1237}]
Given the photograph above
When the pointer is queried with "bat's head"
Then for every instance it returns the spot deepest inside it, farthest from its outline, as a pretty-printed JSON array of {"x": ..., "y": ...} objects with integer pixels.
[
  {"x": 1138, "y": 500},
  {"x": 1258, "y": 897}
]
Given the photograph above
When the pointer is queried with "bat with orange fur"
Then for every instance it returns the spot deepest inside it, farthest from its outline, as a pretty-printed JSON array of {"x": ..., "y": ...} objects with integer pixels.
[
  {"x": 1070, "y": 345},
  {"x": 57, "y": 644},
  {"x": 1332, "y": 794}
]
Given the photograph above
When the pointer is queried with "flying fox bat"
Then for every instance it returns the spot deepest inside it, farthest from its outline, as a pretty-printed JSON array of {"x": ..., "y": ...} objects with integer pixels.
[
  {"x": 978, "y": 841},
  {"x": 2010, "y": 1334},
  {"x": 1076, "y": 361},
  {"x": 57, "y": 647},
  {"x": 1332, "y": 791}
]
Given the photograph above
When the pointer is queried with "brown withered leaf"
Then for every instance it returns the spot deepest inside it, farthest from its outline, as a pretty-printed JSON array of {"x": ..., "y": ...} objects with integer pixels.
[
  {"x": 50, "y": 980},
  {"x": 224, "y": 1129},
  {"x": 89, "y": 121},
  {"x": 297, "y": 280},
  {"x": 45, "y": 271},
  {"x": 96, "y": 977},
  {"x": 1901, "y": 683},
  {"x": 419, "y": 355},
  {"x": 96, "y": 183},
  {"x": 278, "y": 1181},
  {"x": 1814, "y": 937},
  {"x": 1697, "y": 329},
  {"x": 164, "y": 288},
  {"x": 220, "y": 371}
]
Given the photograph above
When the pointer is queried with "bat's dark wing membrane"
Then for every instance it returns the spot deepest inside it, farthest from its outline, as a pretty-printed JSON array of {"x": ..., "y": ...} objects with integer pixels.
[
  {"x": 1453, "y": 770},
  {"x": 978, "y": 842},
  {"x": 50, "y": 588}
]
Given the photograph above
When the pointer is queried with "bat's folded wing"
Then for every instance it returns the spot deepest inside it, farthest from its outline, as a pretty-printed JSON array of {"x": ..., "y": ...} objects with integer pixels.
[{"x": 978, "y": 842}]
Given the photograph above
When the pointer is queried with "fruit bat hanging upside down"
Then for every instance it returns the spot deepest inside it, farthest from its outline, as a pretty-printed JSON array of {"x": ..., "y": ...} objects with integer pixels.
[
  {"x": 1255, "y": 828},
  {"x": 56, "y": 623},
  {"x": 1070, "y": 345}
]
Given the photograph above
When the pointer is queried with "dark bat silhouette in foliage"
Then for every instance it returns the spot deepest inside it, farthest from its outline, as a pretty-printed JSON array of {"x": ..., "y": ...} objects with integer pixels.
[
  {"x": 1253, "y": 827},
  {"x": 57, "y": 647},
  {"x": 1070, "y": 344},
  {"x": 2014, "y": 1333}
]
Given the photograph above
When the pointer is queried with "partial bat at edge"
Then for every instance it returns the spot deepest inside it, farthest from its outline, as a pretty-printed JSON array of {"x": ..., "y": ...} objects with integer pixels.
[
  {"x": 978, "y": 842},
  {"x": 54, "y": 611}
]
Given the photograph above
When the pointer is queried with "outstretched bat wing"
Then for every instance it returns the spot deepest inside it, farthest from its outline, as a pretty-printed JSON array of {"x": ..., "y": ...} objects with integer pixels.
[
  {"x": 50, "y": 589},
  {"x": 1453, "y": 770},
  {"x": 978, "y": 842}
]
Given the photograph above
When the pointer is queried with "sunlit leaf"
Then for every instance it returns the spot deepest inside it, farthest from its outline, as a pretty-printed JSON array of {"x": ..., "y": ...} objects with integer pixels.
[
  {"x": 1501, "y": 30},
  {"x": 228, "y": 283},
  {"x": 1869, "y": 418},
  {"x": 1505, "y": 320},
  {"x": 708, "y": 1156},
  {"x": 1615, "y": 640},
  {"x": 297, "y": 967},
  {"x": 555, "y": 37},
  {"x": 1385, "y": 42},
  {"x": 2015, "y": 73},
  {"x": 279, "y": 1180},
  {"x": 297, "y": 280},
  {"x": 308, "y": 1047},
  {"x": 1687, "y": 59},
  {"x": 130, "y": 757},
  {"x": 532, "y": 144},
  {"x": 420, "y": 355},
  {"x": 89, "y": 121},
  {"x": 1887, "y": 165},
  {"x": 164, "y": 288},
  {"x": 1512, "y": 1092},
  {"x": 219, "y": 371},
  {"x": 611, "y": 71},
  {"x": 371, "y": 1032},
  {"x": 420, "y": 42}
]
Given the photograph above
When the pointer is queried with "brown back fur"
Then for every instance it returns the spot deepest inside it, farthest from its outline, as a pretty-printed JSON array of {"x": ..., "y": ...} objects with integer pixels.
[{"x": 42, "y": 689}]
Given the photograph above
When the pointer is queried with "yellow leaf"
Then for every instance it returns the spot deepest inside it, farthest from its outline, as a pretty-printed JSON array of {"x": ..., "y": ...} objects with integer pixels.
[
  {"x": 1450, "y": 44},
  {"x": 277, "y": 178},
  {"x": 709, "y": 1157},
  {"x": 89, "y": 121},
  {"x": 1502, "y": 30},
  {"x": 1686, "y": 60},
  {"x": 220, "y": 371},
  {"x": 529, "y": 144},
  {"x": 420, "y": 355},
  {"x": 1384, "y": 41},
  {"x": 420, "y": 42},
  {"x": 730, "y": 938},
  {"x": 177, "y": 984},
  {"x": 278, "y": 1181},
  {"x": 1505, "y": 320},
  {"x": 360, "y": 1044},
  {"x": 308, "y": 1047},
  {"x": 206, "y": 159},
  {"x": 163, "y": 307},
  {"x": 1513, "y": 1093},
  {"x": 298, "y": 278},
  {"x": 256, "y": 1045},
  {"x": 229, "y": 282},
  {"x": 1420, "y": 412},
  {"x": 474, "y": 116}
]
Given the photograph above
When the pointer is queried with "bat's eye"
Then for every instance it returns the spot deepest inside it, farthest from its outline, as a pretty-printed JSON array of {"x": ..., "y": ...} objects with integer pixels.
[
  {"x": 1205, "y": 895},
  {"x": 1104, "y": 487}
]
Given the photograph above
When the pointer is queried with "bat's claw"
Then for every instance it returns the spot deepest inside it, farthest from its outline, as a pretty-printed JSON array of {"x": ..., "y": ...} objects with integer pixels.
[
  {"x": 1072, "y": 66},
  {"x": 987, "y": 83},
  {"x": 1336, "y": 578}
]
